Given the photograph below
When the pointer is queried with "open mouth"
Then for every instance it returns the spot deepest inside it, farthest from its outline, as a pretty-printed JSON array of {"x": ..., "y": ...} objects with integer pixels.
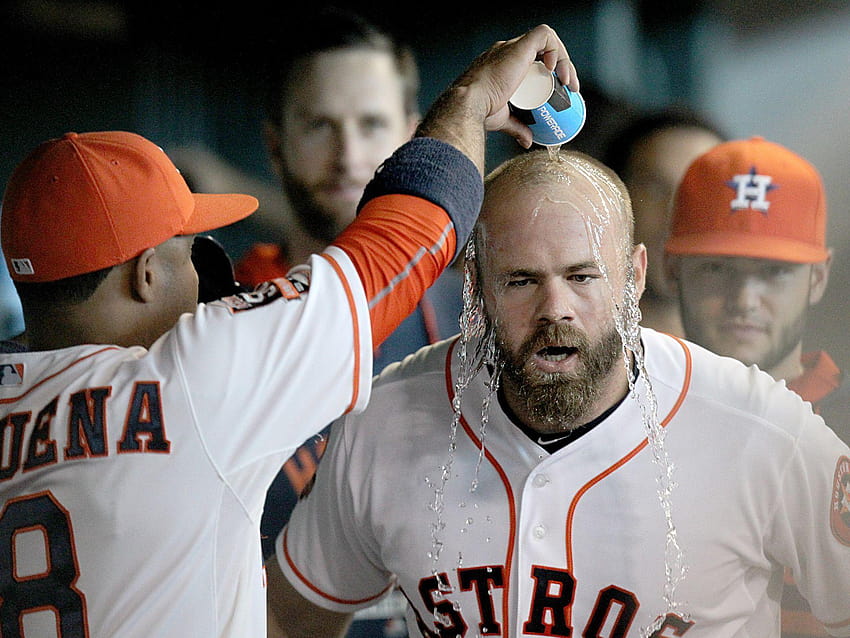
[{"x": 556, "y": 353}]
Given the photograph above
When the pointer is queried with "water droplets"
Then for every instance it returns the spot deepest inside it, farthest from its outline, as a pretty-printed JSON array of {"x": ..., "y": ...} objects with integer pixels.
[
  {"x": 604, "y": 215},
  {"x": 627, "y": 317},
  {"x": 472, "y": 324}
]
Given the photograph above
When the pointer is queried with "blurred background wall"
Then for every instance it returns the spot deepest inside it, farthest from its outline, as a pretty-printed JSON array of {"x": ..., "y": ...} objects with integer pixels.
[{"x": 186, "y": 75}]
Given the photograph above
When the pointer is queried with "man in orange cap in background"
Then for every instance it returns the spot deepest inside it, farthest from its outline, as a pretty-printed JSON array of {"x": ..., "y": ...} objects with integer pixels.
[{"x": 747, "y": 251}]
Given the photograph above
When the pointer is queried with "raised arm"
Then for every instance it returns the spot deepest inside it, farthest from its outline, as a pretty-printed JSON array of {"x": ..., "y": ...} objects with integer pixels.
[{"x": 421, "y": 205}]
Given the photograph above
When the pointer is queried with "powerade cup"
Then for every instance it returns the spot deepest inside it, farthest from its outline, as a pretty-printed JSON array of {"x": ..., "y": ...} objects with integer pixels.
[{"x": 554, "y": 114}]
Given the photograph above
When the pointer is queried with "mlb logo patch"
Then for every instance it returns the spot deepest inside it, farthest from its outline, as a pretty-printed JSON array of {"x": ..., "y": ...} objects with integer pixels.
[{"x": 11, "y": 374}]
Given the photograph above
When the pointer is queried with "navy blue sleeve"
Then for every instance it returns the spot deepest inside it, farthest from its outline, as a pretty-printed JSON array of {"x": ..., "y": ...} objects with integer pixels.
[{"x": 436, "y": 171}]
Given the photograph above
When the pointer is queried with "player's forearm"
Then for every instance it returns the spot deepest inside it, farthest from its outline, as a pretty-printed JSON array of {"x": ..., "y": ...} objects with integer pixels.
[
  {"x": 416, "y": 216},
  {"x": 457, "y": 118}
]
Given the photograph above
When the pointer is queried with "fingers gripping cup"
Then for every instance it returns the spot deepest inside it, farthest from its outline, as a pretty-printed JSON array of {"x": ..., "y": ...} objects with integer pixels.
[{"x": 554, "y": 114}]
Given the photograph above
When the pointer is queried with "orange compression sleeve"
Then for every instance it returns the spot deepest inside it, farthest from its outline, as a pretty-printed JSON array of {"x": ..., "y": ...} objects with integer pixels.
[{"x": 399, "y": 244}]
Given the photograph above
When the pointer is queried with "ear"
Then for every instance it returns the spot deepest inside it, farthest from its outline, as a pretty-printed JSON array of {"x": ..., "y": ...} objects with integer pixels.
[
  {"x": 142, "y": 276},
  {"x": 639, "y": 261},
  {"x": 818, "y": 278},
  {"x": 272, "y": 140}
]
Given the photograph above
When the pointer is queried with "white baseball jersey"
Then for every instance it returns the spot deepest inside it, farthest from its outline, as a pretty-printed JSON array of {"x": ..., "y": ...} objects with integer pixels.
[
  {"x": 573, "y": 543},
  {"x": 133, "y": 480},
  {"x": 186, "y": 431}
]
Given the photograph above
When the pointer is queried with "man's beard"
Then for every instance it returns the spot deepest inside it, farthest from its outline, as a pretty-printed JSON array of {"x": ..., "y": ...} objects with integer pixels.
[
  {"x": 558, "y": 401},
  {"x": 318, "y": 223},
  {"x": 790, "y": 335}
]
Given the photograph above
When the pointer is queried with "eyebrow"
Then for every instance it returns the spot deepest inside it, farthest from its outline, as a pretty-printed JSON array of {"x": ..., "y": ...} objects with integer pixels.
[
  {"x": 583, "y": 265},
  {"x": 531, "y": 272}
]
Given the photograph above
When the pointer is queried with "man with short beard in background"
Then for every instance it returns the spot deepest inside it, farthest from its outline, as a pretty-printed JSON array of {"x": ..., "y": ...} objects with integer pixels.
[{"x": 749, "y": 258}]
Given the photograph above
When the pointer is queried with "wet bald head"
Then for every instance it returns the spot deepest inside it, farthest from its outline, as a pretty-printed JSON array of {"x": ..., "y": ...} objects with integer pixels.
[{"x": 575, "y": 181}]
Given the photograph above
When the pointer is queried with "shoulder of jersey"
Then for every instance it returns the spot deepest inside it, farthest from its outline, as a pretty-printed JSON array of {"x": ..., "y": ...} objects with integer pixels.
[
  {"x": 725, "y": 384},
  {"x": 428, "y": 359}
]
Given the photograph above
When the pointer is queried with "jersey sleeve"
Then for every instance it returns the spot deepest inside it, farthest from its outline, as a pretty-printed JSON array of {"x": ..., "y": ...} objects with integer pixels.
[
  {"x": 415, "y": 217},
  {"x": 811, "y": 530},
  {"x": 264, "y": 371},
  {"x": 325, "y": 551}
]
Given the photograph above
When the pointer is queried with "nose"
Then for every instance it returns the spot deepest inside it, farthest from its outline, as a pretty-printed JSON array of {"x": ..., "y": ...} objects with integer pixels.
[
  {"x": 744, "y": 293},
  {"x": 349, "y": 146},
  {"x": 556, "y": 302}
]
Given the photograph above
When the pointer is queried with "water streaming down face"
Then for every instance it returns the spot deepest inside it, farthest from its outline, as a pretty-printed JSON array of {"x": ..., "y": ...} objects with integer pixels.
[
  {"x": 473, "y": 330},
  {"x": 479, "y": 350},
  {"x": 627, "y": 319}
]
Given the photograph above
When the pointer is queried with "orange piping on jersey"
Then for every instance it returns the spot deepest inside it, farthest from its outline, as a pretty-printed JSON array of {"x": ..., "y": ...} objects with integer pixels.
[
  {"x": 506, "y": 618},
  {"x": 303, "y": 579},
  {"x": 574, "y": 504},
  {"x": 355, "y": 391},
  {"x": 399, "y": 245},
  {"x": 55, "y": 374}
]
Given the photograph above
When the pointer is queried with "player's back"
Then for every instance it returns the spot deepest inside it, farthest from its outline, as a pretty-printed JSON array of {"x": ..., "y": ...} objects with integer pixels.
[{"x": 115, "y": 519}]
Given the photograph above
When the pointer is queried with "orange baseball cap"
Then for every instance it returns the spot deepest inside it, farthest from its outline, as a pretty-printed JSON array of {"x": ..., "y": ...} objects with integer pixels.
[
  {"x": 750, "y": 198},
  {"x": 87, "y": 201}
]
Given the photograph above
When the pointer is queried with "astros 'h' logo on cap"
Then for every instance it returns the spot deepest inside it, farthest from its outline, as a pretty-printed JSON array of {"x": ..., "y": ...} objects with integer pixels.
[
  {"x": 776, "y": 208},
  {"x": 751, "y": 191}
]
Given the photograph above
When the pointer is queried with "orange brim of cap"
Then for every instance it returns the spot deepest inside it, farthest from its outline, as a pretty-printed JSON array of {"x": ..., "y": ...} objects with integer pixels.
[
  {"x": 217, "y": 210},
  {"x": 736, "y": 245}
]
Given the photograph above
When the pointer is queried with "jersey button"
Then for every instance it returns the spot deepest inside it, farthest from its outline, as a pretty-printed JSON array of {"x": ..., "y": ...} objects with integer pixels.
[
  {"x": 539, "y": 531},
  {"x": 540, "y": 480}
]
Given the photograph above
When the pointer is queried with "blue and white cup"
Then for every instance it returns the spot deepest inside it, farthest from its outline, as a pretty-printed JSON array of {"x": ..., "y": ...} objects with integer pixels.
[{"x": 554, "y": 114}]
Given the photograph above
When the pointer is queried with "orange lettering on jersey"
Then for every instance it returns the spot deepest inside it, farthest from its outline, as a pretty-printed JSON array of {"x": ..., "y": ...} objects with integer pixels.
[{"x": 144, "y": 429}]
